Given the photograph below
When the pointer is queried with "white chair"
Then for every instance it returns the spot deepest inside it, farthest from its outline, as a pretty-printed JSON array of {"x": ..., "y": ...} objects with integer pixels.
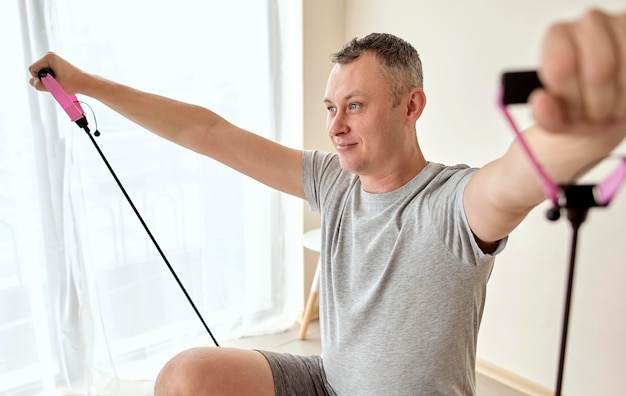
[{"x": 312, "y": 240}]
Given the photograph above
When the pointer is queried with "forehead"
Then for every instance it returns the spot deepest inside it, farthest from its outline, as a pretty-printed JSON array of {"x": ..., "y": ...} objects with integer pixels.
[{"x": 363, "y": 75}]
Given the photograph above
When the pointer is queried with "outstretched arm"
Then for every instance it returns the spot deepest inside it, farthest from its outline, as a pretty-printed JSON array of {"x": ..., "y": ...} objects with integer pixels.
[
  {"x": 191, "y": 126},
  {"x": 580, "y": 117}
]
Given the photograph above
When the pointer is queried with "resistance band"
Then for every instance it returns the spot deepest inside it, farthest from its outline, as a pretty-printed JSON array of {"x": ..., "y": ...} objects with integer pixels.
[
  {"x": 577, "y": 199},
  {"x": 74, "y": 110}
]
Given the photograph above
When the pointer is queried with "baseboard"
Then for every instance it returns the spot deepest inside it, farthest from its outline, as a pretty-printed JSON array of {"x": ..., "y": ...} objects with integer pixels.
[{"x": 511, "y": 380}]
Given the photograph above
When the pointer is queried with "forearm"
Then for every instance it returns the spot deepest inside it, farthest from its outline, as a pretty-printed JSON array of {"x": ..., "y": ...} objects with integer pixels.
[
  {"x": 504, "y": 191},
  {"x": 202, "y": 131},
  {"x": 564, "y": 157},
  {"x": 182, "y": 123},
  {"x": 582, "y": 104}
]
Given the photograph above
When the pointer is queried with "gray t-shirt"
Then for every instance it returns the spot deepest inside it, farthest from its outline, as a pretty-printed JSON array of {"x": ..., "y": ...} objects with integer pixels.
[{"x": 402, "y": 281}]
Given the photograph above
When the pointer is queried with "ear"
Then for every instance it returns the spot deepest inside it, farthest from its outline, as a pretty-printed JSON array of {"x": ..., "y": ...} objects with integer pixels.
[{"x": 416, "y": 104}]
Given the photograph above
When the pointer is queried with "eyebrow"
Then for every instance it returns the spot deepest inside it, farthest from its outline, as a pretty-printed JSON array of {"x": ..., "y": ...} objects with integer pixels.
[{"x": 348, "y": 96}]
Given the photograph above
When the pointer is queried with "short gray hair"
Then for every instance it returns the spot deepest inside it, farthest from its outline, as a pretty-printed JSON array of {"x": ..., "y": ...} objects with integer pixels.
[{"x": 399, "y": 60}]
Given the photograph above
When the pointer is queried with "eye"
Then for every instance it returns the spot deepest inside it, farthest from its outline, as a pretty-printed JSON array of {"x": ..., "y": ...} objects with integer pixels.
[
  {"x": 353, "y": 106},
  {"x": 331, "y": 109}
]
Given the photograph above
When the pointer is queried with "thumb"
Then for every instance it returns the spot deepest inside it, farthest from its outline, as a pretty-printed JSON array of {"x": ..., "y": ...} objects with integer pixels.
[
  {"x": 547, "y": 111},
  {"x": 36, "y": 83}
]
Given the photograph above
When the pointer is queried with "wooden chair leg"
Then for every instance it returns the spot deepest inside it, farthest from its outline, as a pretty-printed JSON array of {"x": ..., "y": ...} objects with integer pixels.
[{"x": 310, "y": 304}]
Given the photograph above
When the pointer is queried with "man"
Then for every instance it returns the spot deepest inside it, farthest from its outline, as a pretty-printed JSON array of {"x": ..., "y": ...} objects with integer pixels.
[{"x": 407, "y": 244}]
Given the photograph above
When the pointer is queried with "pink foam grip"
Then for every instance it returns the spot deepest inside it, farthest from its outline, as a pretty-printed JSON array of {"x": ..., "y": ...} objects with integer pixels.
[{"x": 69, "y": 104}]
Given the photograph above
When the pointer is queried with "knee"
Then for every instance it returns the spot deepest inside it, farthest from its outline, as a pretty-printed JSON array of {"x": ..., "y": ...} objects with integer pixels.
[
  {"x": 179, "y": 376},
  {"x": 215, "y": 371}
]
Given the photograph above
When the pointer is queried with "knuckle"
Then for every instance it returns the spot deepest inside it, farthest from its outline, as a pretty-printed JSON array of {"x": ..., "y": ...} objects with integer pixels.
[
  {"x": 559, "y": 63},
  {"x": 593, "y": 16},
  {"x": 559, "y": 71},
  {"x": 601, "y": 70}
]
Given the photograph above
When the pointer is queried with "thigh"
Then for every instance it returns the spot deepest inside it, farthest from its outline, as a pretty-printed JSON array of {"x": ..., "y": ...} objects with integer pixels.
[
  {"x": 216, "y": 371},
  {"x": 298, "y": 375}
]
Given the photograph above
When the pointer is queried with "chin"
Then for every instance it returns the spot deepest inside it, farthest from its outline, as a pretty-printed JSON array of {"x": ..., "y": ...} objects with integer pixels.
[{"x": 349, "y": 166}]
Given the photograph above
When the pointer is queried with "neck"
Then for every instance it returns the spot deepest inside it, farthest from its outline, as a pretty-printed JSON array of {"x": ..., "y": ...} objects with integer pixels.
[{"x": 397, "y": 175}]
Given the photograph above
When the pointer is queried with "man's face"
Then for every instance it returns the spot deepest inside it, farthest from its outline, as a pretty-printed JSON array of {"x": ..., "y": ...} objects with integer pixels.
[{"x": 361, "y": 122}]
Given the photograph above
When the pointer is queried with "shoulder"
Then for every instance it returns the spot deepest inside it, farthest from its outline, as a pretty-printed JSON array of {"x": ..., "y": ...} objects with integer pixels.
[{"x": 447, "y": 177}]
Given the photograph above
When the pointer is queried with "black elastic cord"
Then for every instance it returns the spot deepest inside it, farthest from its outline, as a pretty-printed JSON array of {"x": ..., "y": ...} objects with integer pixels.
[
  {"x": 143, "y": 223},
  {"x": 565, "y": 325},
  {"x": 576, "y": 217}
]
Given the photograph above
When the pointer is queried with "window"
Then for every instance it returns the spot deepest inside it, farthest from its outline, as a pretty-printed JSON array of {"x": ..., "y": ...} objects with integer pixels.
[{"x": 86, "y": 296}]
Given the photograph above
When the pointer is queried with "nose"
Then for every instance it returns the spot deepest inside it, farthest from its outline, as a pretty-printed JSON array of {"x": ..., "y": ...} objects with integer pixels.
[{"x": 336, "y": 124}]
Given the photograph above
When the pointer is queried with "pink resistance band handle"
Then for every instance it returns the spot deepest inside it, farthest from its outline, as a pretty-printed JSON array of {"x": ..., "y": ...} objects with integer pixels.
[{"x": 69, "y": 103}]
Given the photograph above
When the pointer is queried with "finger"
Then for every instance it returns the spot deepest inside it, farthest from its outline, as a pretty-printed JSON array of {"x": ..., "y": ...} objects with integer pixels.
[
  {"x": 36, "y": 83},
  {"x": 46, "y": 61},
  {"x": 38, "y": 65},
  {"x": 618, "y": 26},
  {"x": 559, "y": 74},
  {"x": 597, "y": 65},
  {"x": 547, "y": 111}
]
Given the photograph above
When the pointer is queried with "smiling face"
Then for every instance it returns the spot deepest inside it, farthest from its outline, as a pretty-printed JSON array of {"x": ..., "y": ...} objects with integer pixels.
[{"x": 373, "y": 137}]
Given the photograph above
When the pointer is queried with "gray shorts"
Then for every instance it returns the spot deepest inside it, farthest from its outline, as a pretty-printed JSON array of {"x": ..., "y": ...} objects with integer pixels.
[{"x": 298, "y": 375}]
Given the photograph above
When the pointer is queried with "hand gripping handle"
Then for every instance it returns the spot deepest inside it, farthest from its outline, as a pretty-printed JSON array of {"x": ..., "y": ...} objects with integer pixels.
[{"x": 70, "y": 104}]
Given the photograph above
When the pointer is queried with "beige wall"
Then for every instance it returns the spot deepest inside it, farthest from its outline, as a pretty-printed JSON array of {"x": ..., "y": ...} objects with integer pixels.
[
  {"x": 465, "y": 45},
  {"x": 323, "y": 22}
]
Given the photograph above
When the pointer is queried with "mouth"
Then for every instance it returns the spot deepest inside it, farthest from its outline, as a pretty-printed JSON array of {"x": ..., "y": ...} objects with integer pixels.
[{"x": 341, "y": 147}]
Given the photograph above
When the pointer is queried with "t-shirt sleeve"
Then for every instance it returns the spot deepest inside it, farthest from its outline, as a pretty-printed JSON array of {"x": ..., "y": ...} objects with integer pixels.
[
  {"x": 320, "y": 173},
  {"x": 448, "y": 213}
]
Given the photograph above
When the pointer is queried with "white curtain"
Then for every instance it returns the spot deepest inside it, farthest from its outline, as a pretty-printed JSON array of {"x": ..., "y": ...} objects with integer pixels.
[{"x": 86, "y": 299}]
